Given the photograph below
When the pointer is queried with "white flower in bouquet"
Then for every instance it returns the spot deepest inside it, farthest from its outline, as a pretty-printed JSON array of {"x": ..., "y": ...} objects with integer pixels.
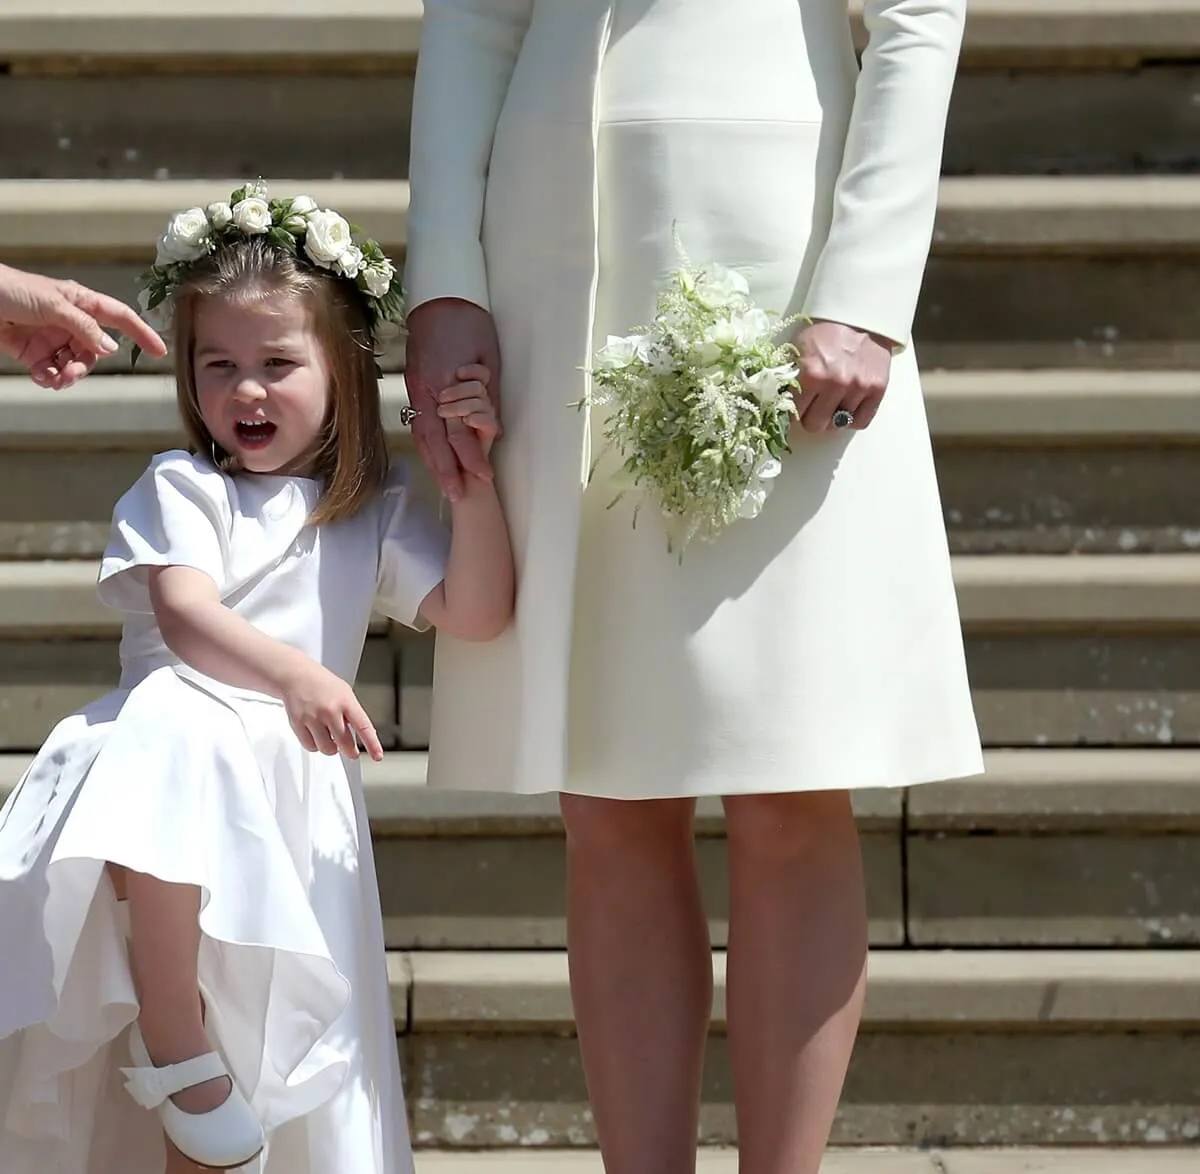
[{"x": 698, "y": 405}]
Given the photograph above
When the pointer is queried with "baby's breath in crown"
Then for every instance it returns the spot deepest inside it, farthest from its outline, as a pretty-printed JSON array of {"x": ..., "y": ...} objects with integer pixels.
[{"x": 297, "y": 225}]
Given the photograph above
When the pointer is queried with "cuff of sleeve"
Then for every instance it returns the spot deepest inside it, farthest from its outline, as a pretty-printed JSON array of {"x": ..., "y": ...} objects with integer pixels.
[
  {"x": 860, "y": 310},
  {"x": 438, "y": 269}
]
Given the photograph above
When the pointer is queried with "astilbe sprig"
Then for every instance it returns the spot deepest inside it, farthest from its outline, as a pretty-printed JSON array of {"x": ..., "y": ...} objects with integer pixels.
[{"x": 698, "y": 404}]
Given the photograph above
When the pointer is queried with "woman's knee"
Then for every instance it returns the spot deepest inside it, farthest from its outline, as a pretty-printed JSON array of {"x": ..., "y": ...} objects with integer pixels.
[
  {"x": 789, "y": 826},
  {"x": 614, "y": 828}
]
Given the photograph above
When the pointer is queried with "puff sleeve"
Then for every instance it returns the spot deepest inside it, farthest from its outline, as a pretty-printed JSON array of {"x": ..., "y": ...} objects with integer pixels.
[
  {"x": 468, "y": 51},
  {"x": 176, "y": 514},
  {"x": 870, "y": 270},
  {"x": 413, "y": 551}
]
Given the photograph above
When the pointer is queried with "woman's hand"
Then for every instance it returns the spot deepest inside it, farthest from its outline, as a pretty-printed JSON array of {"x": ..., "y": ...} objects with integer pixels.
[
  {"x": 840, "y": 368},
  {"x": 469, "y": 402},
  {"x": 444, "y": 336},
  {"x": 55, "y": 329},
  {"x": 326, "y": 715}
]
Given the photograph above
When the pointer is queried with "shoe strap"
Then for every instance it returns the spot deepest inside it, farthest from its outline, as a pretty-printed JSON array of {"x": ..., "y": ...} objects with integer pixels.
[{"x": 150, "y": 1087}]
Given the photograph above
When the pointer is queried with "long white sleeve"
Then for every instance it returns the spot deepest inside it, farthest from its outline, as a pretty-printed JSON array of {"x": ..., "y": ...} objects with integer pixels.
[
  {"x": 468, "y": 51},
  {"x": 870, "y": 270}
]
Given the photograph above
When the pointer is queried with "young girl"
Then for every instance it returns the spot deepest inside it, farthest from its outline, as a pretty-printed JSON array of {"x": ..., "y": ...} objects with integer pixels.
[{"x": 210, "y": 809}]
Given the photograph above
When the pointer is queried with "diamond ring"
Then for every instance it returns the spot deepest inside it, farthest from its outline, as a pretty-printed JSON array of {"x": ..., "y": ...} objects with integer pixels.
[{"x": 843, "y": 418}]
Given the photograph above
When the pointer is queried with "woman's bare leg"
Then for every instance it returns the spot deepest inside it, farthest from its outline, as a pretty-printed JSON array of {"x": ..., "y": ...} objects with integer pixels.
[
  {"x": 796, "y": 972},
  {"x": 641, "y": 976}
]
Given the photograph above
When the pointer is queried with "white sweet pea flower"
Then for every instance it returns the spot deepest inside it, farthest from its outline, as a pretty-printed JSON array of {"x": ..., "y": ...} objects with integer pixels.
[
  {"x": 378, "y": 278},
  {"x": 724, "y": 333},
  {"x": 252, "y": 216},
  {"x": 327, "y": 237},
  {"x": 752, "y": 326},
  {"x": 221, "y": 215},
  {"x": 303, "y": 206},
  {"x": 186, "y": 238},
  {"x": 753, "y": 500},
  {"x": 658, "y": 358},
  {"x": 760, "y": 487},
  {"x": 717, "y": 287},
  {"x": 617, "y": 353},
  {"x": 743, "y": 455},
  {"x": 350, "y": 262},
  {"x": 765, "y": 385}
]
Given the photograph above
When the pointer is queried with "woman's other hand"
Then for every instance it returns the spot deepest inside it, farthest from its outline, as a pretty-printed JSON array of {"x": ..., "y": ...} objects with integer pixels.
[{"x": 841, "y": 369}]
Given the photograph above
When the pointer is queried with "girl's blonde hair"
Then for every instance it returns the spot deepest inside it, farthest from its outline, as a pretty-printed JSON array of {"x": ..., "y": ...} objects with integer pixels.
[{"x": 351, "y": 455}]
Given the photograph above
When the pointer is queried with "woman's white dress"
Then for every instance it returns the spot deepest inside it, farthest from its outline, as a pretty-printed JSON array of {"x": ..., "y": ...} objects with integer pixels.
[
  {"x": 197, "y": 783},
  {"x": 818, "y": 646}
]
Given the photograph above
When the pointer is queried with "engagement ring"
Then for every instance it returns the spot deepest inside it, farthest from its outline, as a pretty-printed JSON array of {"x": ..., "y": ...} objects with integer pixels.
[
  {"x": 843, "y": 418},
  {"x": 408, "y": 415}
]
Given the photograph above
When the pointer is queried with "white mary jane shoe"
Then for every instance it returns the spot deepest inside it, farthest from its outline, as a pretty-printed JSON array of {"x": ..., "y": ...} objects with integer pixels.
[{"x": 224, "y": 1138}]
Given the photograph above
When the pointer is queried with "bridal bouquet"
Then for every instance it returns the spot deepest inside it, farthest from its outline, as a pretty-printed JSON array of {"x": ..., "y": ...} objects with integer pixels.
[{"x": 699, "y": 403}]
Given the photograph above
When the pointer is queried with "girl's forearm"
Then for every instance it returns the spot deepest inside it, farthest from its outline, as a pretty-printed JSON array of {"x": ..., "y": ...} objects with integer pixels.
[
  {"x": 479, "y": 584},
  {"x": 210, "y": 638}
]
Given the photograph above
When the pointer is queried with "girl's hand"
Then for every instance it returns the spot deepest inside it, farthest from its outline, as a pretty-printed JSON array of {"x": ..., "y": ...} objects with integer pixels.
[
  {"x": 327, "y": 716},
  {"x": 840, "y": 367},
  {"x": 468, "y": 400}
]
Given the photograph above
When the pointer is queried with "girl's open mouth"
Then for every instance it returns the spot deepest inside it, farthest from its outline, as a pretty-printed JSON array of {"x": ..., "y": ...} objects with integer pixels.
[{"x": 254, "y": 434}]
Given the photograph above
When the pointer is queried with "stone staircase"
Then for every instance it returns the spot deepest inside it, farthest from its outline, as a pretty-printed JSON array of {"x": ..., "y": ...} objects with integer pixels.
[{"x": 1035, "y": 981}]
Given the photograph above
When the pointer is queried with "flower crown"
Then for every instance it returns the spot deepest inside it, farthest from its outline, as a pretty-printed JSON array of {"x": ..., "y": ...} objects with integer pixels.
[{"x": 298, "y": 226}]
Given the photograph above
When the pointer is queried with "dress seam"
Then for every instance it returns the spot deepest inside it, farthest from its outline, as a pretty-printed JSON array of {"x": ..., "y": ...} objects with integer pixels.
[{"x": 606, "y": 122}]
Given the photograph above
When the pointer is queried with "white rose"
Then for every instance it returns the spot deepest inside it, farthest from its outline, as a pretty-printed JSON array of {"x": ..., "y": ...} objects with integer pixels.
[
  {"x": 252, "y": 215},
  {"x": 303, "y": 206},
  {"x": 350, "y": 262},
  {"x": 717, "y": 287},
  {"x": 326, "y": 238},
  {"x": 186, "y": 237},
  {"x": 378, "y": 278},
  {"x": 221, "y": 215},
  {"x": 617, "y": 353}
]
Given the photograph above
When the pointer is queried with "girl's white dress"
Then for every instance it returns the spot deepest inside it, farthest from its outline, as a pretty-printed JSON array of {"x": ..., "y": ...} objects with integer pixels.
[{"x": 176, "y": 775}]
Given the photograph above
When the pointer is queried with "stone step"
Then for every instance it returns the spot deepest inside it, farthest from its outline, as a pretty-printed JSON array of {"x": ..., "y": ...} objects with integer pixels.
[
  {"x": 996, "y": 594},
  {"x": 97, "y": 126},
  {"x": 995, "y": 214},
  {"x": 188, "y": 31},
  {"x": 1026, "y": 272},
  {"x": 721, "y": 1160},
  {"x": 958, "y": 1048},
  {"x": 1065, "y": 848},
  {"x": 143, "y": 30},
  {"x": 1062, "y": 651},
  {"x": 1043, "y": 462}
]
